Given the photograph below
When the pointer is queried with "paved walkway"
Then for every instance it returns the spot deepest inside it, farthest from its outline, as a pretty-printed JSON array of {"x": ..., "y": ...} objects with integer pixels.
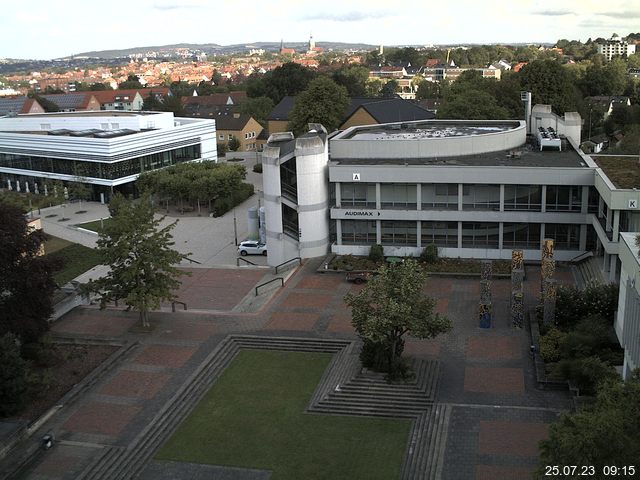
[{"x": 497, "y": 418}]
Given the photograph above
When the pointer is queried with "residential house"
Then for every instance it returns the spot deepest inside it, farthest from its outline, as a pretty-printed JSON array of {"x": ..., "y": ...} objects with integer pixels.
[
  {"x": 616, "y": 46},
  {"x": 74, "y": 102},
  {"x": 19, "y": 105},
  {"x": 245, "y": 128},
  {"x": 608, "y": 103},
  {"x": 126, "y": 100}
]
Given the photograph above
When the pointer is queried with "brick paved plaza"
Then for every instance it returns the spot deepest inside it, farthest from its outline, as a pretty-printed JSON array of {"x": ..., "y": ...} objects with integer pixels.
[{"x": 498, "y": 415}]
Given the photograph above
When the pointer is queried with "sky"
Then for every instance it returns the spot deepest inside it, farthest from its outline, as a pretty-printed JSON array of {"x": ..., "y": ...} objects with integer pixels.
[{"x": 45, "y": 29}]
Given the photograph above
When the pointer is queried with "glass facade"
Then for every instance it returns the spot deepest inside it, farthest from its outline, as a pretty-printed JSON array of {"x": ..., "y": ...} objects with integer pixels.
[
  {"x": 358, "y": 232},
  {"x": 481, "y": 197},
  {"x": 358, "y": 195},
  {"x": 523, "y": 198},
  {"x": 290, "y": 222},
  {"x": 105, "y": 170},
  {"x": 439, "y": 196},
  {"x": 289, "y": 179},
  {"x": 480, "y": 235},
  {"x": 396, "y": 232},
  {"x": 566, "y": 237},
  {"x": 564, "y": 198},
  {"x": 442, "y": 234},
  {"x": 521, "y": 235},
  {"x": 401, "y": 196}
]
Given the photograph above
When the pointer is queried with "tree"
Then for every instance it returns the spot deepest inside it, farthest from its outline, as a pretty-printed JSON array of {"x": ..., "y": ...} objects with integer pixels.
[
  {"x": 287, "y": 79},
  {"x": 551, "y": 84},
  {"x": 353, "y": 78},
  {"x": 322, "y": 102},
  {"x": 133, "y": 81},
  {"x": 13, "y": 376},
  {"x": 48, "y": 105},
  {"x": 428, "y": 90},
  {"x": 234, "y": 144},
  {"x": 80, "y": 190},
  {"x": 472, "y": 105},
  {"x": 600, "y": 435},
  {"x": 26, "y": 279},
  {"x": 140, "y": 256},
  {"x": 389, "y": 89},
  {"x": 391, "y": 305},
  {"x": 259, "y": 108}
]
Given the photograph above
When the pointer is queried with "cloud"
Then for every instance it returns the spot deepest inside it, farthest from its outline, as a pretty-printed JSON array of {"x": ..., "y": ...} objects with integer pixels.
[
  {"x": 352, "y": 16},
  {"x": 552, "y": 13},
  {"x": 626, "y": 15},
  {"x": 175, "y": 6}
]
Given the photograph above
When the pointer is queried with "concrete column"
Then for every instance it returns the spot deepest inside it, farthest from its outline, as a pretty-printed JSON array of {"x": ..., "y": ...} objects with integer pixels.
[
  {"x": 501, "y": 208},
  {"x": 378, "y": 199},
  {"x": 613, "y": 268},
  {"x": 378, "y": 229},
  {"x": 584, "y": 208},
  {"x": 500, "y": 227},
  {"x": 460, "y": 195},
  {"x": 608, "y": 222},
  {"x": 616, "y": 225},
  {"x": 544, "y": 200},
  {"x": 339, "y": 232},
  {"x": 459, "y": 234},
  {"x": 419, "y": 197},
  {"x": 583, "y": 237},
  {"x": 338, "y": 195},
  {"x": 419, "y": 233}
]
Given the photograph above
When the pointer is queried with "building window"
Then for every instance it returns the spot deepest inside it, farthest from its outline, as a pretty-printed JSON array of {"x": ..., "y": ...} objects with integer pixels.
[
  {"x": 358, "y": 195},
  {"x": 480, "y": 235},
  {"x": 358, "y": 232},
  {"x": 290, "y": 222},
  {"x": 221, "y": 136},
  {"x": 440, "y": 196},
  {"x": 564, "y": 198},
  {"x": 395, "y": 232},
  {"x": 45, "y": 126},
  {"x": 594, "y": 200},
  {"x": 442, "y": 234},
  {"x": 231, "y": 136},
  {"x": 481, "y": 197},
  {"x": 289, "y": 179},
  {"x": 566, "y": 237},
  {"x": 523, "y": 198},
  {"x": 521, "y": 235},
  {"x": 401, "y": 196}
]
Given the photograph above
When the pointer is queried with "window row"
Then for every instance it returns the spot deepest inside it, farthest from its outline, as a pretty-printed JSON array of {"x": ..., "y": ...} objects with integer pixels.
[
  {"x": 446, "y": 196},
  {"x": 474, "y": 234},
  {"x": 111, "y": 171}
]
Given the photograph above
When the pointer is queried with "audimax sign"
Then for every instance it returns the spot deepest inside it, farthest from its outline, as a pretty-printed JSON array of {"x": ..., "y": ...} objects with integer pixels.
[{"x": 360, "y": 213}]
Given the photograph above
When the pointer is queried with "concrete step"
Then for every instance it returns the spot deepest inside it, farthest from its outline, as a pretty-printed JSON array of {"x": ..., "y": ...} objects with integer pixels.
[{"x": 355, "y": 409}]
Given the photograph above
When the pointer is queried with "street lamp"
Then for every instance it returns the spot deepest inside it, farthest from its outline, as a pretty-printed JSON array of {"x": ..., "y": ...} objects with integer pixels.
[{"x": 235, "y": 227}]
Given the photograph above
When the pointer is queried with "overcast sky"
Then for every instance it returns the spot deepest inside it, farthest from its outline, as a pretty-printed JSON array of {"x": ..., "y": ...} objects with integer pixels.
[{"x": 49, "y": 29}]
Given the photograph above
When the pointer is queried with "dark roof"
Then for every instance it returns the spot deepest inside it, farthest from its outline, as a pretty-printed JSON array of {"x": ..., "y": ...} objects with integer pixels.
[
  {"x": 282, "y": 109},
  {"x": 12, "y": 105},
  {"x": 69, "y": 100},
  {"x": 396, "y": 110},
  {"x": 226, "y": 121},
  {"x": 387, "y": 109}
]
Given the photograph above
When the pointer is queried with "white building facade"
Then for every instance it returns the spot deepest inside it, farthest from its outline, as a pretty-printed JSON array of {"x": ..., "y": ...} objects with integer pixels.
[{"x": 104, "y": 149}]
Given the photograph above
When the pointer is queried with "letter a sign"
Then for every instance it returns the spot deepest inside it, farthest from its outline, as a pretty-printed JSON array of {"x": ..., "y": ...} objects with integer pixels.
[{"x": 356, "y": 177}]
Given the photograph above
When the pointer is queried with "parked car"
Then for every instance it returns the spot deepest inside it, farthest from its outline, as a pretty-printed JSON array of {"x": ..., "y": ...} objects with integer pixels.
[{"x": 252, "y": 247}]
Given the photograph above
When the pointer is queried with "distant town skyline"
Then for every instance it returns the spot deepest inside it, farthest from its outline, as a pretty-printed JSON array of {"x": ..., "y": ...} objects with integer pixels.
[{"x": 44, "y": 30}]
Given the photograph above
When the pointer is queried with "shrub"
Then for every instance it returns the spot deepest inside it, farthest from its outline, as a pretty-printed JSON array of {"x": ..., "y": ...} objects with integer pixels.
[
  {"x": 550, "y": 344},
  {"x": 376, "y": 253},
  {"x": 586, "y": 373},
  {"x": 429, "y": 254},
  {"x": 589, "y": 337},
  {"x": 375, "y": 356},
  {"x": 572, "y": 305},
  {"x": 223, "y": 205},
  {"x": 222, "y": 149},
  {"x": 257, "y": 168},
  {"x": 234, "y": 144},
  {"x": 13, "y": 376}
]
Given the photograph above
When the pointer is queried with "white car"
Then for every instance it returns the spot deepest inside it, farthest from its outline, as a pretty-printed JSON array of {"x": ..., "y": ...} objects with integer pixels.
[{"x": 252, "y": 247}]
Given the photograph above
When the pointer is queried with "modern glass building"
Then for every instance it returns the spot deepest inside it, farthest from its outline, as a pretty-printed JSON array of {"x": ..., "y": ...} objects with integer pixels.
[{"x": 106, "y": 149}]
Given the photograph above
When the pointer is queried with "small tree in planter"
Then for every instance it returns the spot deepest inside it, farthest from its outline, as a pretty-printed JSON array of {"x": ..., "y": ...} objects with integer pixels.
[
  {"x": 429, "y": 254},
  {"x": 391, "y": 305},
  {"x": 376, "y": 253}
]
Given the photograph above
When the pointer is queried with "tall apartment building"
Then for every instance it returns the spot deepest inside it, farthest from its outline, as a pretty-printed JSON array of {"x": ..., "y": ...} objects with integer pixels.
[{"x": 616, "y": 46}]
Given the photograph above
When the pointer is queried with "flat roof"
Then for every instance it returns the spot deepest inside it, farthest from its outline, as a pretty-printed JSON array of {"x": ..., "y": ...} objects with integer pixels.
[
  {"x": 92, "y": 113},
  {"x": 438, "y": 129},
  {"x": 525, "y": 156},
  {"x": 623, "y": 171},
  {"x": 418, "y": 129}
]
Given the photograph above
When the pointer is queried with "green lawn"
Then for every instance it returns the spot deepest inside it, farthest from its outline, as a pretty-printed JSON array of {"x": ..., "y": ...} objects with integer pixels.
[
  {"x": 253, "y": 417},
  {"x": 95, "y": 225},
  {"x": 76, "y": 258}
]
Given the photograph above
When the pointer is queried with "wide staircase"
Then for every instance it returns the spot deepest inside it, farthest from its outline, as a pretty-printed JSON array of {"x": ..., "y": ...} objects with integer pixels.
[
  {"x": 344, "y": 389},
  {"x": 588, "y": 272}
]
